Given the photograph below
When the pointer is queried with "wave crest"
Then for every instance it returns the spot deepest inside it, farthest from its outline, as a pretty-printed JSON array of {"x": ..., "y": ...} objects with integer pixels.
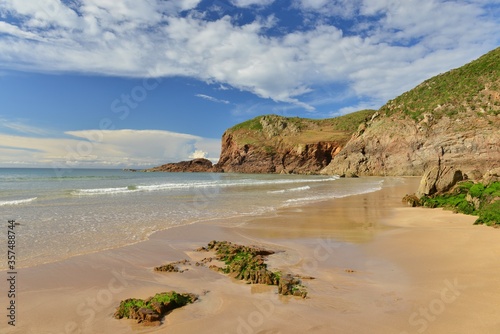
[{"x": 17, "y": 202}]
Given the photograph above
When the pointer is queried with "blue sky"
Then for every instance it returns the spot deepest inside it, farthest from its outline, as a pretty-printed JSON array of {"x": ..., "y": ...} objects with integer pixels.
[{"x": 105, "y": 83}]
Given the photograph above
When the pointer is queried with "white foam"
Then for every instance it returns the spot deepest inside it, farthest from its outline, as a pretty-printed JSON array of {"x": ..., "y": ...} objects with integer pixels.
[
  {"x": 194, "y": 185},
  {"x": 319, "y": 198},
  {"x": 282, "y": 191},
  {"x": 102, "y": 191},
  {"x": 17, "y": 202}
]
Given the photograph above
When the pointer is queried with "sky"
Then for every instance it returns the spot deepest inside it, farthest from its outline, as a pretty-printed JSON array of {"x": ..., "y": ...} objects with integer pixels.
[{"x": 139, "y": 83}]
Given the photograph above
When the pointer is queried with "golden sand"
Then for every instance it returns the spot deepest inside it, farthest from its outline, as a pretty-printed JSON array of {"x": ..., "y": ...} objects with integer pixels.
[{"x": 379, "y": 267}]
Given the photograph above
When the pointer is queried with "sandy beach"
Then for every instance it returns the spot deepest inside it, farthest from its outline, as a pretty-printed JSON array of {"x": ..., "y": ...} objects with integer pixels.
[{"x": 378, "y": 267}]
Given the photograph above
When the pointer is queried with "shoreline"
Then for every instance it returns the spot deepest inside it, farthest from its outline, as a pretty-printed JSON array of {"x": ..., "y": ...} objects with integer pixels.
[{"x": 364, "y": 277}]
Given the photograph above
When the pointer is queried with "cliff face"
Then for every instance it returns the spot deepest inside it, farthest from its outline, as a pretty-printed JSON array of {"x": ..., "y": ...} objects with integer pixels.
[
  {"x": 304, "y": 158},
  {"x": 452, "y": 119},
  {"x": 392, "y": 146},
  {"x": 275, "y": 144}
]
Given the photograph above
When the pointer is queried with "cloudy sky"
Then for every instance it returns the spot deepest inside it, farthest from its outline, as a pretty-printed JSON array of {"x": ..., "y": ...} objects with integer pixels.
[{"x": 134, "y": 83}]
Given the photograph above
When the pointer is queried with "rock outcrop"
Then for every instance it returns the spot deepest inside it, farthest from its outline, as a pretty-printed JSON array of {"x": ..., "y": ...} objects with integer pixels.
[
  {"x": 150, "y": 311},
  {"x": 248, "y": 263},
  {"x": 449, "y": 188},
  {"x": 438, "y": 180},
  {"x": 300, "y": 159},
  {"x": 195, "y": 165},
  {"x": 275, "y": 144},
  {"x": 453, "y": 118},
  {"x": 173, "y": 267}
]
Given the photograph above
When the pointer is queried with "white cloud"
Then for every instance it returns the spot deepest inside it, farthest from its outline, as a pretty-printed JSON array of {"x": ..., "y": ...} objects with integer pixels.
[
  {"x": 248, "y": 3},
  {"x": 343, "y": 8},
  {"x": 198, "y": 154},
  {"x": 111, "y": 148},
  {"x": 21, "y": 127},
  {"x": 398, "y": 43},
  {"x": 211, "y": 98}
]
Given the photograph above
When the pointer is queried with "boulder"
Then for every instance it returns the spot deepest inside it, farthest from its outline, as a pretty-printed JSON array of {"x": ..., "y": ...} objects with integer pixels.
[
  {"x": 491, "y": 176},
  {"x": 289, "y": 285},
  {"x": 438, "y": 180},
  {"x": 411, "y": 200}
]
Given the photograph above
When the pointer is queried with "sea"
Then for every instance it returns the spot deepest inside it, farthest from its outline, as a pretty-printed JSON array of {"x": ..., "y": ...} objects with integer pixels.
[{"x": 63, "y": 213}]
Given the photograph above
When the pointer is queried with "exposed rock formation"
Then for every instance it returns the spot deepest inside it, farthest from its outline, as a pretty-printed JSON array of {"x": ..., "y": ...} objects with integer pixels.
[
  {"x": 152, "y": 310},
  {"x": 393, "y": 146},
  {"x": 275, "y": 144},
  {"x": 301, "y": 159},
  {"x": 491, "y": 176},
  {"x": 289, "y": 285},
  {"x": 448, "y": 188},
  {"x": 195, "y": 165},
  {"x": 439, "y": 180},
  {"x": 248, "y": 263},
  {"x": 453, "y": 118},
  {"x": 173, "y": 267}
]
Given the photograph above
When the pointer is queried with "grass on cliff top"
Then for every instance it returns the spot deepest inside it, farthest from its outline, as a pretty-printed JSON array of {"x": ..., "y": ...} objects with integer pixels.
[
  {"x": 474, "y": 88},
  {"x": 348, "y": 123},
  {"x": 308, "y": 130},
  {"x": 462, "y": 200}
]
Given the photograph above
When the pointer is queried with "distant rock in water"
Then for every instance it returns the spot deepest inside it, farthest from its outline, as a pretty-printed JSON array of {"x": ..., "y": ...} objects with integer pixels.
[{"x": 195, "y": 165}]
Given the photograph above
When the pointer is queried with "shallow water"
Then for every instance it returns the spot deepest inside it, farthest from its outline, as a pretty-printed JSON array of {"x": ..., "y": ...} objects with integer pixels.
[{"x": 63, "y": 213}]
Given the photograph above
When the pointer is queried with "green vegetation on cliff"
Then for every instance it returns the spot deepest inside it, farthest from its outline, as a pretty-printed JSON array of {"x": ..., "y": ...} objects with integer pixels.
[
  {"x": 472, "y": 88},
  {"x": 472, "y": 199},
  {"x": 262, "y": 130}
]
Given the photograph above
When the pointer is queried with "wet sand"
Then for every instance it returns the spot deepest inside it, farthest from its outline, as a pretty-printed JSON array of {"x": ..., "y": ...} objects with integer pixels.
[{"x": 379, "y": 267}]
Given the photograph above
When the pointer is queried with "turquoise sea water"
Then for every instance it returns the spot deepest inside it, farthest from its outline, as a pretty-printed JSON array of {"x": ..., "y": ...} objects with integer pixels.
[{"x": 63, "y": 213}]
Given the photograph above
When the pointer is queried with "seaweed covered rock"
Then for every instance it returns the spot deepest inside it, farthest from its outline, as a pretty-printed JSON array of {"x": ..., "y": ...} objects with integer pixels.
[
  {"x": 173, "y": 267},
  {"x": 150, "y": 311},
  {"x": 289, "y": 285},
  {"x": 411, "y": 200},
  {"x": 472, "y": 198},
  {"x": 244, "y": 262},
  {"x": 248, "y": 263}
]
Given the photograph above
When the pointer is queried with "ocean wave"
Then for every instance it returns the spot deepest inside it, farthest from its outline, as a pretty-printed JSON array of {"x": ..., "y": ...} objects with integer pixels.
[
  {"x": 318, "y": 198},
  {"x": 56, "y": 178},
  {"x": 282, "y": 191},
  {"x": 104, "y": 191},
  {"x": 194, "y": 185},
  {"x": 17, "y": 202}
]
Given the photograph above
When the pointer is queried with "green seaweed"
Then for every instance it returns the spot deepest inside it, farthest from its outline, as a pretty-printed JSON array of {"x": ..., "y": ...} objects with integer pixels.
[
  {"x": 460, "y": 200},
  {"x": 171, "y": 298}
]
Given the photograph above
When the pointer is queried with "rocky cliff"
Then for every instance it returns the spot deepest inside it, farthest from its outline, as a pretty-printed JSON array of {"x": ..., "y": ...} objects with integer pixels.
[
  {"x": 452, "y": 119},
  {"x": 275, "y": 144}
]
